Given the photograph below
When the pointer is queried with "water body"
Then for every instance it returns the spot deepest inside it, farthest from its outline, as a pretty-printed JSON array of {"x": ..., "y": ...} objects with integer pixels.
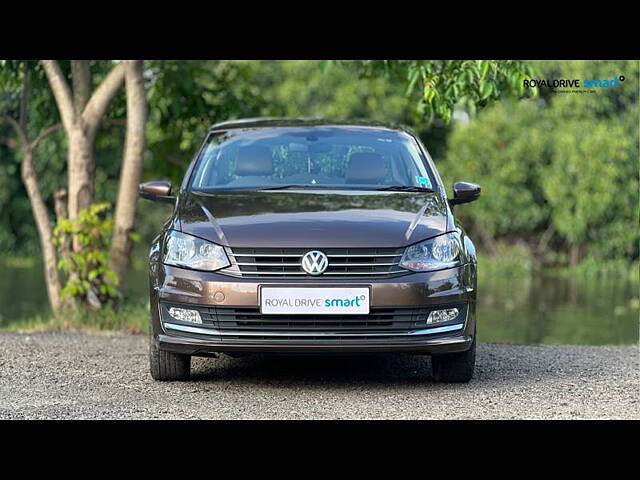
[{"x": 539, "y": 309}]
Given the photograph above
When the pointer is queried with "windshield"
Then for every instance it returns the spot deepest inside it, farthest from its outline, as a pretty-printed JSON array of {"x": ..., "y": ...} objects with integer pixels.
[{"x": 310, "y": 157}]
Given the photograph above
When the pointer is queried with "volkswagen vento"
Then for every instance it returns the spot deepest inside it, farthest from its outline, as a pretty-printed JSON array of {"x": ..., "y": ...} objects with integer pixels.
[{"x": 310, "y": 236}]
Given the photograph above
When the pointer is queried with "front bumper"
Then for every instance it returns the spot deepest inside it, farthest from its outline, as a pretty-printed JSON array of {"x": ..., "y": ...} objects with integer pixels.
[
  {"x": 416, "y": 293},
  {"x": 201, "y": 347}
]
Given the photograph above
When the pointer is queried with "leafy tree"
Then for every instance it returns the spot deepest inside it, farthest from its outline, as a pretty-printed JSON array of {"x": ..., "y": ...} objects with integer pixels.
[
  {"x": 27, "y": 146},
  {"x": 18, "y": 232},
  {"x": 591, "y": 185},
  {"x": 503, "y": 149},
  {"x": 185, "y": 99},
  {"x": 561, "y": 171},
  {"x": 81, "y": 111}
]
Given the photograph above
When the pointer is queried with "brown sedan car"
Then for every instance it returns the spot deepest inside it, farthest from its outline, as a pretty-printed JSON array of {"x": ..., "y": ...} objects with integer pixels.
[{"x": 299, "y": 236}]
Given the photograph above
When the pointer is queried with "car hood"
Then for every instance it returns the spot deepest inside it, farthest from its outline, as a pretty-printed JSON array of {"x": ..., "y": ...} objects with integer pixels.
[{"x": 313, "y": 219}]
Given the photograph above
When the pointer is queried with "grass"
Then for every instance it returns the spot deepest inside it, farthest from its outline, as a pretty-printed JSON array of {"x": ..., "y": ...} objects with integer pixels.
[
  {"x": 509, "y": 262},
  {"x": 21, "y": 262},
  {"x": 130, "y": 318}
]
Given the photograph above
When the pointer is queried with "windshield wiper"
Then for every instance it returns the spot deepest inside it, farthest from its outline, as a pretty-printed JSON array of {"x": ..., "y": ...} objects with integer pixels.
[
  {"x": 408, "y": 188},
  {"x": 270, "y": 187},
  {"x": 398, "y": 188},
  {"x": 284, "y": 187}
]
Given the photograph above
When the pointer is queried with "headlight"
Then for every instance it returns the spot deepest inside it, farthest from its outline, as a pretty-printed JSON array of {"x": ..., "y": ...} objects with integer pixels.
[
  {"x": 184, "y": 250},
  {"x": 434, "y": 254}
]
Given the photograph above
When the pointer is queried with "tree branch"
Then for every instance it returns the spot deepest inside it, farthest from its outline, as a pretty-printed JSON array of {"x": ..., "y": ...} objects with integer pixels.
[
  {"x": 9, "y": 142},
  {"x": 54, "y": 128},
  {"x": 45, "y": 133},
  {"x": 18, "y": 128},
  {"x": 99, "y": 101},
  {"x": 24, "y": 140},
  {"x": 61, "y": 92},
  {"x": 24, "y": 95}
]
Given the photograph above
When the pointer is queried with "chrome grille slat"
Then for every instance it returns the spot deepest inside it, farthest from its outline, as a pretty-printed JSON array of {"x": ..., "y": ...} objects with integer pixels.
[
  {"x": 285, "y": 274},
  {"x": 296, "y": 255},
  {"x": 343, "y": 262},
  {"x": 313, "y": 336},
  {"x": 268, "y": 264},
  {"x": 276, "y": 264},
  {"x": 263, "y": 255}
]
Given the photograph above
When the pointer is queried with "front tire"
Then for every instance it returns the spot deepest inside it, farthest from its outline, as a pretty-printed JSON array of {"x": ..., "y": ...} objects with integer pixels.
[
  {"x": 168, "y": 366},
  {"x": 454, "y": 367}
]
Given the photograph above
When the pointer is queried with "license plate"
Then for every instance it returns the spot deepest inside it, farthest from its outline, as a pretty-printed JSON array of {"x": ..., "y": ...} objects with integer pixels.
[{"x": 314, "y": 300}]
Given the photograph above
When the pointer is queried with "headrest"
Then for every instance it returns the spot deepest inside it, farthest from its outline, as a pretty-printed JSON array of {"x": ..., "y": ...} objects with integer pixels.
[
  {"x": 254, "y": 160},
  {"x": 365, "y": 167}
]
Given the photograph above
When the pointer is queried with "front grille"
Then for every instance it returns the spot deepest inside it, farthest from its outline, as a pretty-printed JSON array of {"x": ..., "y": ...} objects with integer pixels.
[
  {"x": 379, "y": 319},
  {"x": 287, "y": 262}
]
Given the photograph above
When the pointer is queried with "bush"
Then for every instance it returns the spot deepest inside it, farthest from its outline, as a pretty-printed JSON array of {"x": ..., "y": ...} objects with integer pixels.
[{"x": 89, "y": 277}]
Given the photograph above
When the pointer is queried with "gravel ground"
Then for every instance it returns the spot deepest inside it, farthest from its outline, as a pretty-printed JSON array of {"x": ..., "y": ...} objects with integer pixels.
[{"x": 72, "y": 375}]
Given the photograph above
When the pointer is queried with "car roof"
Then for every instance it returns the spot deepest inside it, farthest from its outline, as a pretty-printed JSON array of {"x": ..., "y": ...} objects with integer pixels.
[{"x": 269, "y": 122}]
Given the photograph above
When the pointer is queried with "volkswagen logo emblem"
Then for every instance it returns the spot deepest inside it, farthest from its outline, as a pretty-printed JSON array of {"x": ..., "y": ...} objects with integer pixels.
[{"x": 314, "y": 262}]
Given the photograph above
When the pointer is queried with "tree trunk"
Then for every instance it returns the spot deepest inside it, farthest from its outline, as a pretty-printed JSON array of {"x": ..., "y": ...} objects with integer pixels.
[
  {"x": 574, "y": 255},
  {"x": 81, "y": 115},
  {"x": 80, "y": 171},
  {"x": 131, "y": 171},
  {"x": 487, "y": 239},
  {"x": 43, "y": 224},
  {"x": 30, "y": 180},
  {"x": 60, "y": 203},
  {"x": 81, "y": 80},
  {"x": 81, "y": 163}
]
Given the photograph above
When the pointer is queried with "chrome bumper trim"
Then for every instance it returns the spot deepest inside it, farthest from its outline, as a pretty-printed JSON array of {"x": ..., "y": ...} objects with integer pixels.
[{"x": 243, "y": 333}]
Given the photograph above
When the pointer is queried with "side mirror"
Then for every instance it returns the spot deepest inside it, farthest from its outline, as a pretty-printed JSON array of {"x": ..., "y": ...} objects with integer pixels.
[
  {"x": 157, "y": 190},
  {"x": 464, "y": 192}
]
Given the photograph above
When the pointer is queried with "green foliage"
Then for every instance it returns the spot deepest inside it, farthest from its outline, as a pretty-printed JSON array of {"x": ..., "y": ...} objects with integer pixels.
[
  {"x": 185, "y": 99},
  {"x": 503, "y": 150},
  {"x": 562, "y": 171},
  {"x": 591, "y": 184},
  {"x": 18, "y": 232},
  {"x": 437, "y": 87},
  {"x": 87, "y": 270},
  {"x": 511, "y": 262},
  {"x": 17, "y": 228}
]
